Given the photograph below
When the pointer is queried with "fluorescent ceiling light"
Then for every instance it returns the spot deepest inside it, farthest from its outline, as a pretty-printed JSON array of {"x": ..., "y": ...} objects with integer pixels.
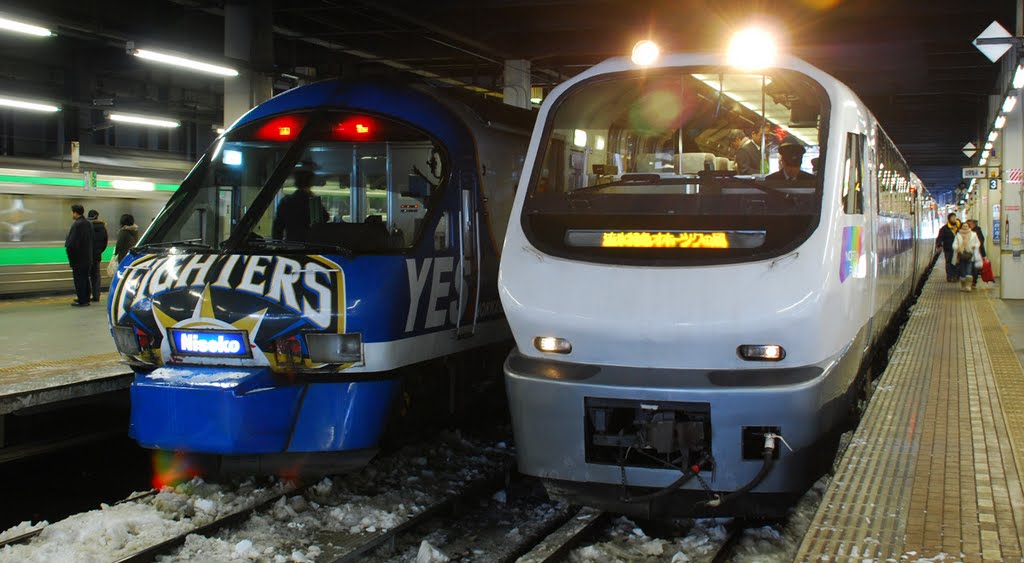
[
  {"x": 1018, "y": 77},
  {"x": 993, "y": 136},
  {"x": 988, "y": 146},
  {"x": 31, "y": 106},
  {"x": 1000, "y": 121},
  {"x": 184, "y": 63},
  {"x": 1010, "y": 102},
  {"x": 143, "y": 120},
  {"x": 11, "y": 25}
]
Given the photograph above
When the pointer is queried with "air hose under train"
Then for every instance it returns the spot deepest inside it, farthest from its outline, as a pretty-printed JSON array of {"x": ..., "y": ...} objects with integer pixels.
[{"x": 768, "y": 462}]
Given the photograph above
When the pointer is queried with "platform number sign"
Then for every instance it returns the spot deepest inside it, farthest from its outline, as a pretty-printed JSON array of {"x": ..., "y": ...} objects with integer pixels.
[{"x": 993, "y": 184}]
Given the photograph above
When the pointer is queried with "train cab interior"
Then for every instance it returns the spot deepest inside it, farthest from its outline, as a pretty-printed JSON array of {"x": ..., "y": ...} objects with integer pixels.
[
  {"x": 373, "y": 186},
  {"x": 630, "y": 159}
]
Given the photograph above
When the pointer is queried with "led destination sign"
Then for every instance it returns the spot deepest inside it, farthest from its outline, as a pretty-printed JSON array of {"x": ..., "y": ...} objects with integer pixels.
[
  {"x": 665, "y": 239},
  {"x": 231, "y": 344}
]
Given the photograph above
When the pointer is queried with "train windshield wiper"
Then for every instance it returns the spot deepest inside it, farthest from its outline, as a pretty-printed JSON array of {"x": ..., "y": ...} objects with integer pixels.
[
  {"x": 191, "y": 243},
  {"x": 271, "y": 243}
]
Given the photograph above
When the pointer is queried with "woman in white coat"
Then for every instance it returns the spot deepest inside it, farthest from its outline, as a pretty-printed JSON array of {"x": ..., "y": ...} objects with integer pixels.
[{"x": 965, "y": 249}]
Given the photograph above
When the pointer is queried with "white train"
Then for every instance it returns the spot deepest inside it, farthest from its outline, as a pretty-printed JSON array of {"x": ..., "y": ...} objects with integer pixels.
[{"x": 677, "y": 319}]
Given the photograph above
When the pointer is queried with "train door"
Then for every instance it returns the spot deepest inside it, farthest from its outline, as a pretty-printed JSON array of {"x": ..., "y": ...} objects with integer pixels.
[
  {"x": 864, "y": 160},
  {"x": 468, "y": 271}
]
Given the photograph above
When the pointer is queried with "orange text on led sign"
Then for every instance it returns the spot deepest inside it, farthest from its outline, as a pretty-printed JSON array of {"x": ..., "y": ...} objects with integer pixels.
[{"x": 664, "y": 240}]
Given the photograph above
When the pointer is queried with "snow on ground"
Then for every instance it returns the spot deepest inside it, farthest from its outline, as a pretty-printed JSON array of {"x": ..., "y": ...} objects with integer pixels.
[
  {"x": 114, "y": 532},
  {"x": 378, "y": 498},
  {"x": 778, "y": 543},
  {"x": 625, "y": 541}
]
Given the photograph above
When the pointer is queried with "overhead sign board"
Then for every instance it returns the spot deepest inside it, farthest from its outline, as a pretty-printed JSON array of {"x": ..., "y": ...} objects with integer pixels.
[
  {"x": 994, "y": 41},
  {"x": 975, "y": 172}
]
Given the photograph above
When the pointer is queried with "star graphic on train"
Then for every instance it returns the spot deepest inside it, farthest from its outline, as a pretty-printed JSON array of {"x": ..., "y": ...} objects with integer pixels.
[{"x": 204, "y": 316}]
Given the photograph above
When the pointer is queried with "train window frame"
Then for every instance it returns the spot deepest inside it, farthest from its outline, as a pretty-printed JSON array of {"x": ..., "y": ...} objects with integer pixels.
[
  {"x": 317, "y": 124},
  {"x": 853, "y": 174},
  {"x": 667, "y": 257}
]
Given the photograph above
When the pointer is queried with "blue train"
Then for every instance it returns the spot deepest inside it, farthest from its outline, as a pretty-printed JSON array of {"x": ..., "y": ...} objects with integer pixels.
[{"x": 333, "y": 239}]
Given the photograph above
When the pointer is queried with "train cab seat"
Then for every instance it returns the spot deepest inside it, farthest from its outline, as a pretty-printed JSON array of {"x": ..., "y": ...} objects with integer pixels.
[
  {"x": 721, "y": 163},
  {"x": 695, "y": 162},
  {"x": 369, "y": 236}
]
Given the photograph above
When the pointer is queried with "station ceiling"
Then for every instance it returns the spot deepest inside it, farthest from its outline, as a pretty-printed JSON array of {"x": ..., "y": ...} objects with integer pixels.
[{"x": 911, "y": 61}]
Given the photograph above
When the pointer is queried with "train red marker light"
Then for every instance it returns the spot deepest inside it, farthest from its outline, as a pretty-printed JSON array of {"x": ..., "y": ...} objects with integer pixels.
[{"x": 283, "y": 128}]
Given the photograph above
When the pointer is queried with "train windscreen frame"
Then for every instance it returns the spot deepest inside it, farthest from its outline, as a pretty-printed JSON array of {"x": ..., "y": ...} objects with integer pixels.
[
  {"x": 642, "y": 167},
  {"x": 374, "y": 182}
]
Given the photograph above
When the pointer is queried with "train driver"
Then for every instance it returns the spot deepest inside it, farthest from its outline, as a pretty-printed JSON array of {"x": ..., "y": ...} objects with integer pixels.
[
  {"x": 791, "y": 155},
  {"x": 299, "y": 209}
]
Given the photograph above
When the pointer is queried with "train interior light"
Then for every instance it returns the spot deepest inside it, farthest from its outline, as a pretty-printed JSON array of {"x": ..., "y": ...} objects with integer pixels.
[
  {"x": 645, "y": 52},
  {"x": 752, "y": 49}
]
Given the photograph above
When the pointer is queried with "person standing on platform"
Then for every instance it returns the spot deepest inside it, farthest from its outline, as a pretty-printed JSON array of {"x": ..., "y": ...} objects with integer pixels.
[
  {"x": 945, "y": 241},
  {"x": 981, "y": 246},
  {"x": 79, "y": 249},
  {"x": 127, "y": 237},
  {"x": 965, "y": 248},
  {"x": 99, "y": 245}
]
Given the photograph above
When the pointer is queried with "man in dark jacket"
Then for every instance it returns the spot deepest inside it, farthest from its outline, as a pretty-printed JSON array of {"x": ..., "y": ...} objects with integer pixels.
[
  {"x": 299, "y": 209},
  {"x": 79, "y": 248},
  {"x": 945, "y": 240},
  {"x": 99, "y": 244},
  {"x": 748, "y": 153},
  {"x": 973, "y": 223}
]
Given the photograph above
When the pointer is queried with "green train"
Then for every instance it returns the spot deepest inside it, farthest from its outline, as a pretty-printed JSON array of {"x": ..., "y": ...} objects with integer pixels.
[{"x": 35, "y": 213}]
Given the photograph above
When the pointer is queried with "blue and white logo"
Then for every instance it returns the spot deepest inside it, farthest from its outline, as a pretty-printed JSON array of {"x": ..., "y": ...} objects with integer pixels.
[{"x": 210, "y": 343}]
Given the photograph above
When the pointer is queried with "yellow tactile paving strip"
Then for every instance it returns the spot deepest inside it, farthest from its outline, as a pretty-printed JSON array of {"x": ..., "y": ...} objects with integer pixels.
[{"x": 931, "y": 472}]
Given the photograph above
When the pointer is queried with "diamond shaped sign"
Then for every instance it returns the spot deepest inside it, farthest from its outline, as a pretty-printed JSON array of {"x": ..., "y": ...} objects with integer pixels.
[
  {"x": 969, "y": 149},
  {"x": 994, "y": 50}
]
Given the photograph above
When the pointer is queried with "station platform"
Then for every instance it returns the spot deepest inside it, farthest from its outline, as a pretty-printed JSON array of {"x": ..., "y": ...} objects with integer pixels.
[
  {"x": 933, "y": 470},
  {"x": 51, "y": 352}
]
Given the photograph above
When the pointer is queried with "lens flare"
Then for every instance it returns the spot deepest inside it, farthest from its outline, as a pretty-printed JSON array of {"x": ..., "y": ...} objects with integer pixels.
[
  {"x": 752, "y": 49},
  {"x": 172, "y": 468},
  {"x": 645, "y": 52}
]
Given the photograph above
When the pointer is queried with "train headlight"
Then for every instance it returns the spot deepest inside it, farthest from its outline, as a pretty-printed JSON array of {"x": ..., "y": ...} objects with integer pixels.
[
  {"x": 552, "y": 344},
  {"x": 761, "y": 352},
  {"x": 335, "y": 348},
  {"x": 645, "y": 52},
  {"x": 752, "y": 49},
  {"x": 126, "y": 341}
]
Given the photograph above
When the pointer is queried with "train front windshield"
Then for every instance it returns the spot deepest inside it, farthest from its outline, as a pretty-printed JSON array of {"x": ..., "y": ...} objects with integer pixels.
[
  {"x": 313, "y": 182},
  {"x": 670, "y": 167}
]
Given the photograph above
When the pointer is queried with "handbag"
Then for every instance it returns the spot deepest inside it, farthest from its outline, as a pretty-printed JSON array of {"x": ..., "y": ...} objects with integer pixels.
[
  {"x": 986, "y": 271},
  {"x": 112, "y": 266}
]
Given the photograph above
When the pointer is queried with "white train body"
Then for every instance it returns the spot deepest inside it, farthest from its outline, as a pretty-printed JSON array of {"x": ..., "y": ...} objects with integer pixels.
[{"x": 659, "y": 332}]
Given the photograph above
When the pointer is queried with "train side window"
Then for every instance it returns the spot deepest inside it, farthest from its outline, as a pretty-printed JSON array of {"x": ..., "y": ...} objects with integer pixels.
[{"x": 853, "y": 174}]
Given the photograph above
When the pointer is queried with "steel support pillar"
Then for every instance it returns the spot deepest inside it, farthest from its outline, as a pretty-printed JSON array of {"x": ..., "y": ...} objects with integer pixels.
[{"x": 249, "y": 38}]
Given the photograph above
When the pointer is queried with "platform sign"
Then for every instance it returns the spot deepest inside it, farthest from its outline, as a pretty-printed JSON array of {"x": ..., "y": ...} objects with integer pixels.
[
  {"x": 994, "y": 41},
  {"x": 993, "y": 184},
  {"x": 975, "y": 172},
  {"x": 995, "y": 224}
]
